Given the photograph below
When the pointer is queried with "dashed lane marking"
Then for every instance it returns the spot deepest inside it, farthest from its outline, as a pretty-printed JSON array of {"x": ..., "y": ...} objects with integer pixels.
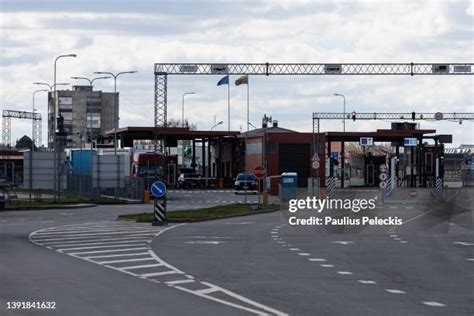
[
  {"x": 342, "y": 242},
  {"x": 470, "y": 259},
  {"x": 366, "y": 281},
  {"x": 317, "y": 259},
  {"x": 395, "y": 291},
  {"x": 344, "y": 272},
  {"x": 239, "y": 223},
  {"x": 295, "y": 249},
  {"x": 327, "y": 265},
  {"x": 125, "y": 247},
  {"x": 463, "y": 243},
  {"x": 434, "y": 304},
  {"x": 303, "y": 254}
]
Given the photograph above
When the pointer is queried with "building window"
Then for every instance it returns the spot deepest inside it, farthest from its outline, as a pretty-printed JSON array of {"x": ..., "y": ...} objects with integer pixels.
[{"x": 93, "y": 120}]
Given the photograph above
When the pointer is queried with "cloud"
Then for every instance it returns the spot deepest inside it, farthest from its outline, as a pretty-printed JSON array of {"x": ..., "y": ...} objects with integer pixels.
[{"x": 124, "y": 37}]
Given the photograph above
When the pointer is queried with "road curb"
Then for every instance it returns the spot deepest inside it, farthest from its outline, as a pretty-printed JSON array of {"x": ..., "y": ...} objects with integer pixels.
[{"x": 48, "y": 207}]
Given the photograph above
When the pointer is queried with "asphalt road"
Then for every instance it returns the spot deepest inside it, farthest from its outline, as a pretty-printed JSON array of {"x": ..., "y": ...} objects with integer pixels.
[
  {"x": 89, "y": 264},
  {"x": 424, "y": 267}
]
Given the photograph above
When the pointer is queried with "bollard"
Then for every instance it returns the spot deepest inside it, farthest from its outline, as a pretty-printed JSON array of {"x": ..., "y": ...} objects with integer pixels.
[
  {"x": 265, "y": 197},
  {"x": 160, "y": 212},
  {"x": 146, "y": 197}
]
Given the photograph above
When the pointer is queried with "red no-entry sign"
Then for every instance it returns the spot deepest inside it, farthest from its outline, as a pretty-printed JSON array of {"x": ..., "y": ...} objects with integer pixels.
[{"x": 259, "y": 172}]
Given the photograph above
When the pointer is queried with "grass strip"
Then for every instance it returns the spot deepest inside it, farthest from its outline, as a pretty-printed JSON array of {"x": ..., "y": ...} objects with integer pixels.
[{"x": 215, "y": 212}]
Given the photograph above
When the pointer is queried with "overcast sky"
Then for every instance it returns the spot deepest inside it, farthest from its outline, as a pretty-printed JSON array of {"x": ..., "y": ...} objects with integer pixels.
[{"x": 118, "y": 35}]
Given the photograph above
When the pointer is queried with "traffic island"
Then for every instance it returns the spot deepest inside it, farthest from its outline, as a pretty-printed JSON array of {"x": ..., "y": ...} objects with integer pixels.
[{"x": 204, "y": 214}]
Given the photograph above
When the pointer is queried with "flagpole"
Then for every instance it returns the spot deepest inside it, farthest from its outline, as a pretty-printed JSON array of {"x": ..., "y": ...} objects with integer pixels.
[
  {"x": 248, "y": 106},
  {"x": 228, "y": 103}
]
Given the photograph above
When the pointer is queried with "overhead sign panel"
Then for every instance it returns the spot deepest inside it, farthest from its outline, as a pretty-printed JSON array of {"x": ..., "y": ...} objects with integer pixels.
[
  {"x": 410, "y": 142},
  {"x": 462, "y": 68},
  {"x": 219, "y": 69},
  {"x": 440, "y": 68},
  {"x": 446, "y": 139},
  {"x": 333, "y": 68},
  {"x": 188, "y": 68},
  {"x": 366, "y": 141}
]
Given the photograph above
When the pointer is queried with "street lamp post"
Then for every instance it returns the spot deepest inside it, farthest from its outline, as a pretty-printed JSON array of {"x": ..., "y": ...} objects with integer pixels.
[
  {"x": 116, "y": 111},
  {"x": 33, "y": 142},
  {"x": 218, "y": 123},
  {"x": 56, "y": 176},
  {"x": 182, "y": 112},
  {"x": 344, "y": 119},
  {"x": 50, "y": 86}
]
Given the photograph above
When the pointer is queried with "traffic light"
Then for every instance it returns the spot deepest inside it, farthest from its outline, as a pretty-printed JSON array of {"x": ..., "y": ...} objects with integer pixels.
[
  {"x": 353, "y": 115},
  {"x": 413, "y": 115}
]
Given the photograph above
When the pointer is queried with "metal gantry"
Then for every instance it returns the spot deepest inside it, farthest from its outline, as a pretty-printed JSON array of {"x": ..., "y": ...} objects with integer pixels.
[
  {"x": 162, "y": 70},
  {"x": 404, "y": 116},
  {"x": 7, "y": 115}
]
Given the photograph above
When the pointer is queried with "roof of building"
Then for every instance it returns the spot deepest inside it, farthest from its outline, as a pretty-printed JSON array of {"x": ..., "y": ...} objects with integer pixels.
[
  {"x": 271, "y": 129},
  {"x": 379, "y": 135},
  {"x": 143, "y": 132}
]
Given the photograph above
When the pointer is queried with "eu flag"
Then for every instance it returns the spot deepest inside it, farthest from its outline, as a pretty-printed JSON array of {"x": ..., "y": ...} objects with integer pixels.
[{"x": 224, "y": 80}]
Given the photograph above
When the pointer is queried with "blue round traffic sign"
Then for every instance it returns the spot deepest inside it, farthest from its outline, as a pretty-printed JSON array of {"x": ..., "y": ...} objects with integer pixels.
[{"x": 158, "y": 189}]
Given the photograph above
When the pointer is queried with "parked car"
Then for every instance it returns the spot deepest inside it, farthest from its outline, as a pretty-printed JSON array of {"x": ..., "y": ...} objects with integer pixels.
[
  {"x": 190, "y": 180},
  {"x": 245, "y": 181},
  {"x": 2, "y": 201}
]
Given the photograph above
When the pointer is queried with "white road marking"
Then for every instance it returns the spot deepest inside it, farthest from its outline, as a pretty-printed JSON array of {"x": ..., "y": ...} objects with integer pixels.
[
  {"x": 434, "y": 304},
  {"x": 344, "y": 272},
  {"x": 403, "y": 241},
  {"x": 106, "y": 251},
  {"x": 327, "y": 265},
  {"x": 398, "y": 238},
  {"x": 79, "y": 242},
  {"x": 119, "y": 255},
  {"x": 89, "y": 230},
  {"x": 342, "y": 242},
  {"x": 88, "y": 237},
  {"x": 99, "y": 247},
  {"x": 303, "y": 254},
  {"x": 281, "y": 242},
  {"x": 204, "y": 242},
  {"x": 394, "y": 236},
  {"x": 149, "y": 275},
  {"x": 463, "y": 243},
  {"x": 215, "y": 294},
  {"x": 180, "y": 281},
  {"x": 470, "y": 259},
  {"x": 142, "y": 266},
  {"x": 366, "y": 281},
  {"x": 99, "y": 243},
  {"x": 125, "y": 260},
  {"x": 246, "y": 300},
  {"x": 317, "y": 259},
  {"x": 294, "y": 249},
  {"x": 239, "y": 223},
  {"x": 394, "y": 291},
  {"x": 208, "y": 290}
]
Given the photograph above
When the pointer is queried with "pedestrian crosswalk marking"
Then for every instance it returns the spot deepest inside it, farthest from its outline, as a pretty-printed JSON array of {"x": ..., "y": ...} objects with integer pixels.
[{"x": 118, "y": 245}]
